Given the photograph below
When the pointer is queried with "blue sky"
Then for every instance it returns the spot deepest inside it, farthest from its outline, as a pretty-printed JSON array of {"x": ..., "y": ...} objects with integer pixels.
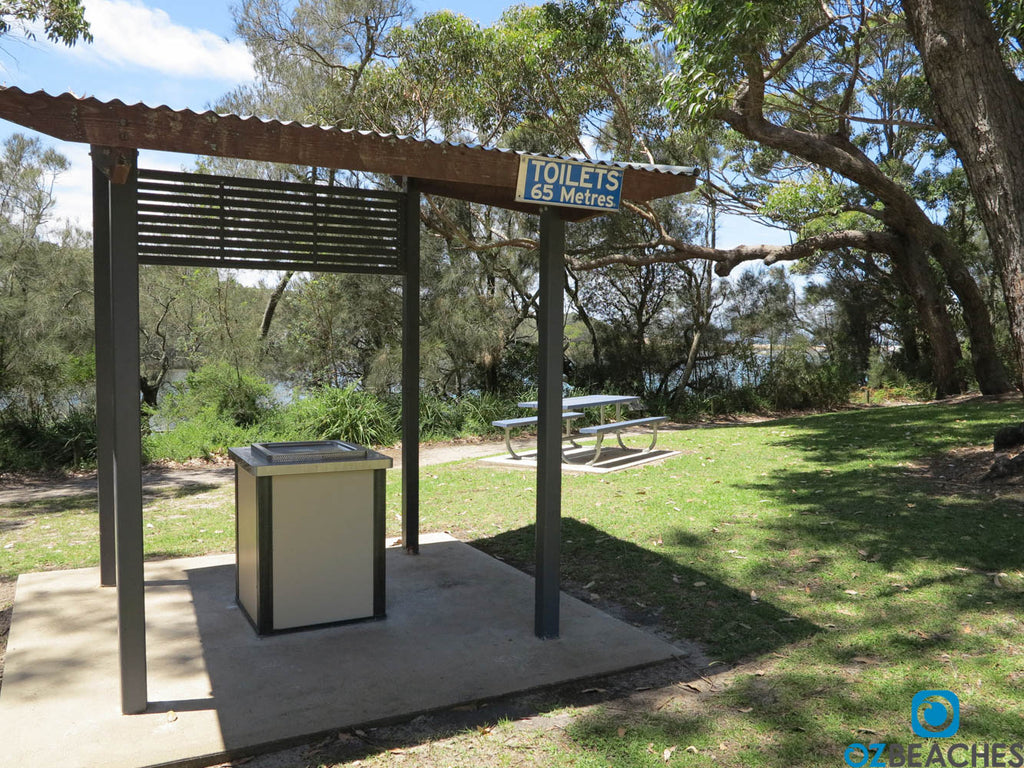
[{"x": 182, "y": 53}]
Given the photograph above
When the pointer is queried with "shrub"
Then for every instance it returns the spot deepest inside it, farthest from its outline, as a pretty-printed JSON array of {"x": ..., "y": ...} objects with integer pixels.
[
  {"x": 37, "y": 441},
  {"x": 342, "y": 414},
  {"x": 797, "y": 382},
  {"x": 240, "y": 397}
]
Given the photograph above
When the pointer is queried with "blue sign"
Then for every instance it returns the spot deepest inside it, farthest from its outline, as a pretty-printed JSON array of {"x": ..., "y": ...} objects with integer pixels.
[{"x": 569, "y": 183}]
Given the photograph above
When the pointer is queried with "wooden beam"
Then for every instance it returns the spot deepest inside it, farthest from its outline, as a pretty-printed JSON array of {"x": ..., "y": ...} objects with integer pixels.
[{"x": 463, "y": 169}]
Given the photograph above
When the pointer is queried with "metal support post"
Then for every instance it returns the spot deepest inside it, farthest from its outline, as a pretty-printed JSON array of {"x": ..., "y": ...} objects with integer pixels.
[
  {"x": 127, "y": 443},
  {"x": 104, "y": 372},
  {"x": 549, "y": 423},
  {"x": 411, "y": 372}
]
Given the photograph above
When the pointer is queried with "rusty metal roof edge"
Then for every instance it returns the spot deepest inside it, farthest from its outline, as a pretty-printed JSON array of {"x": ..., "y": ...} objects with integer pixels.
[{"x": 674, "y": 170}]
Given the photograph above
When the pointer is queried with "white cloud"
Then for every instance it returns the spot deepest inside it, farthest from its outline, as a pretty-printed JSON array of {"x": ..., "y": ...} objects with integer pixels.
[{"x": 127, "y": 33}]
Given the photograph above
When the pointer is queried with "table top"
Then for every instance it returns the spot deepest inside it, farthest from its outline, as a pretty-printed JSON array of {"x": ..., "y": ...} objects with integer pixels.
[{"x": 588, "y": 401}]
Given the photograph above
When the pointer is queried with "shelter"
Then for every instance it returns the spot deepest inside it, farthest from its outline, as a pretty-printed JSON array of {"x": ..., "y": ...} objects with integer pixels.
[{"x": 148, "y": 217}]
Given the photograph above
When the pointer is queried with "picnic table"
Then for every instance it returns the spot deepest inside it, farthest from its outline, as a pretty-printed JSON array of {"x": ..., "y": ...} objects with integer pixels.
[
  {"x": 571, "y": 407},
  {"x": 591, "y": 401}
]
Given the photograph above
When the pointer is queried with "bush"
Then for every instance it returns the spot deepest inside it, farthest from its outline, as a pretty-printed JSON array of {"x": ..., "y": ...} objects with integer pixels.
[
  {"x": 34, "y": 441},
  {"x": 220, "y": 390},
  {"x": 204, "y": 436},
  {"x": 342, "y": 414},
  {"x": 446, "y": 418},
  {"x": 796, "y": 382}
]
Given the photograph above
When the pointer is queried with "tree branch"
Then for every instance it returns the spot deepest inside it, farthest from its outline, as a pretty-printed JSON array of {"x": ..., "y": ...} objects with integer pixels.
[{"x": 728, "y": 259}]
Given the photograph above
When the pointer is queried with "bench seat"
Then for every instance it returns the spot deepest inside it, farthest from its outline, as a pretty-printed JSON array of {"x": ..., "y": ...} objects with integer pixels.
[
  {"x": 617, "y": 427},
  {"x": 509, "y": 424}
]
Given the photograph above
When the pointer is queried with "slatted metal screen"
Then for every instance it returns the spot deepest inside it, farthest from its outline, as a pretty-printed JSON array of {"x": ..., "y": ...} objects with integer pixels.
[{"x": 217, "y": 221}]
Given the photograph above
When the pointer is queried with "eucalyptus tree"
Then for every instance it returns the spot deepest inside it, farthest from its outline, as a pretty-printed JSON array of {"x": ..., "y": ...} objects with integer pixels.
[
  {"x": 45, "y": 285},
  {"x": 972, "y": 54},
  {"x": 831, "y": 124}
]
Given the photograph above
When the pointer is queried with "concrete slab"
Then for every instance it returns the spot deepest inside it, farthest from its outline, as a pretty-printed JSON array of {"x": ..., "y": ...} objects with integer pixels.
[
  {"x": 459, "y": 629},
  {"x": 612, "y": 459}
]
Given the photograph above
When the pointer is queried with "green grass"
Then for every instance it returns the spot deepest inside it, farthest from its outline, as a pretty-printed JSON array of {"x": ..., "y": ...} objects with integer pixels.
[{"x": 811, "y": 557}]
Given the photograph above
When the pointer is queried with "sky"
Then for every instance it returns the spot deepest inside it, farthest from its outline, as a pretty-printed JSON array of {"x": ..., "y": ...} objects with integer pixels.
[{"x": 183, "y": 54}]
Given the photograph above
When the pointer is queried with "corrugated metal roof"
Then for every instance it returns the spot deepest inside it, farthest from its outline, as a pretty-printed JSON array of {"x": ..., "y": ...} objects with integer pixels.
[{"x": 467, "y": 171}]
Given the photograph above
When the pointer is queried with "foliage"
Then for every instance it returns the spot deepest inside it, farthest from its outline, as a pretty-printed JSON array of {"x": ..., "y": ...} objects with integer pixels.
[
  {"x": 34, "y": 441},
  {"x": 63, "y": 20},
  {"x": 344, "y": 413},
  {"x": 239, "y": 397},
  {"x": 713, "y": 37},
  {"x": 45, "y": 289}
]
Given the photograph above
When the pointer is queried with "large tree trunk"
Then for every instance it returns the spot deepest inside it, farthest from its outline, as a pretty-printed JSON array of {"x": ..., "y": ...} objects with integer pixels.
[
  {"x": 914, "y": 271},
  {"x": 980, "y": 104}
]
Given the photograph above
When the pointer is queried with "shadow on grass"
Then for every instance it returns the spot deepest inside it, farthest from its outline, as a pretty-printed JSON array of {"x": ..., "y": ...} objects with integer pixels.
[
  {"x": 887, "y": 511},
  {"x": 14, "y": 514},
  {"x": 646, "y": 588}
]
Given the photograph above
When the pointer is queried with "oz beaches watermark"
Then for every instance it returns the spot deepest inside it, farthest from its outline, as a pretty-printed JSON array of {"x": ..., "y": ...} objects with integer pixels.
[{"x": 935, "y": 714}]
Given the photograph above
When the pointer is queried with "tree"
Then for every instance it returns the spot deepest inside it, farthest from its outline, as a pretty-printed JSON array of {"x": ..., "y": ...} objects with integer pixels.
[
  {"x": 45, "y": 286},
  {"x": 801, "y": 81},
  {"x": 63, "y": 20},
  {"x": 971, "y": 52}
]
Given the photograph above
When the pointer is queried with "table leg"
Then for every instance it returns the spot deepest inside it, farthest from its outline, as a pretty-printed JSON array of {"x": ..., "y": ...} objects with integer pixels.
[{"x": 508, "y": 445}]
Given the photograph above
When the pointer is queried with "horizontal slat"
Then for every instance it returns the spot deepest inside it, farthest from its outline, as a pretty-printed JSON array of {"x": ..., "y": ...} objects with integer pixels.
[
  {"x": 303, "y": 205},
  {"x": 283, "y": 223},
  {"x": 235, "y": 263},
  {"x": 304, "y": 246},
  {"x": 185, "y": 243},
  {"x": 241, "y": 251}
]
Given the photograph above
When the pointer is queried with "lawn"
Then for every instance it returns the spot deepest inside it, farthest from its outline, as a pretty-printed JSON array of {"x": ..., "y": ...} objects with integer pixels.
[{"x": 828, "y": 567}]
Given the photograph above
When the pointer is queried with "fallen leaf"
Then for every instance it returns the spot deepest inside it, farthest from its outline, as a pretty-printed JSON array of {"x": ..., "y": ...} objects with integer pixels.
[
  {"x": 745, "y": 710},
  {"x": 850, "y": 591},
  {"x": 867, "y": 730},
  {"x": 700, "y": 583},
  {"x": 691, "y": 687},
  {"x": 667, "y": 754},
  {"x": 594, "y": 690},
  {"x": 621, "y": 732},
  {"x": 692, "y": 750}
]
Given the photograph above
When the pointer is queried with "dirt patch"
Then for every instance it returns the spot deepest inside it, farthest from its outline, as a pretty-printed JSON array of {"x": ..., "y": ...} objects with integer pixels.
[{"x": 965, "y": 468}]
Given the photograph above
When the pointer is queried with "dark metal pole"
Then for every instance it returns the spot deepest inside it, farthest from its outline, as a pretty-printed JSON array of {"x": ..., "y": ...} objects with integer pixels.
[
  {"x": 124, "y": 301},
  {"x": 411, "y": 373},
  {"x": 549, "y": 423},
  {"x": 104, "y": 371}
]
